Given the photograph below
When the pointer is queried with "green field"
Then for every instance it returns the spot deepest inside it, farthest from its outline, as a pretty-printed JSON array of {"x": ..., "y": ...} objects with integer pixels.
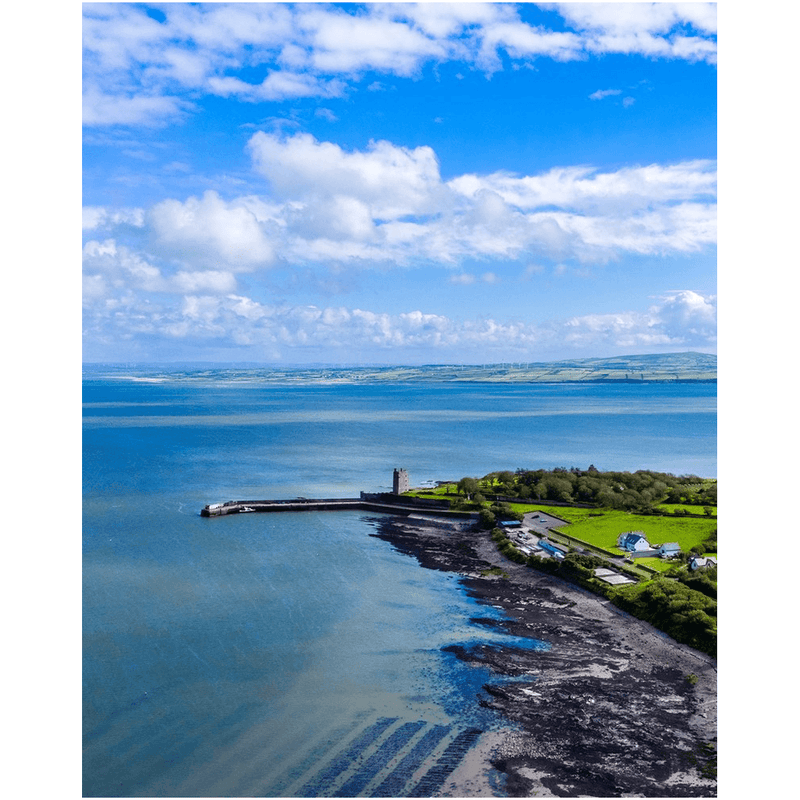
[
  {"x": 658, "y": 564},
  {"x": 601, "y": 527},
  {"x": 671, "y": 508},
  {"x": 438, "y": 493},
  {"x": 566, "y": 513}
]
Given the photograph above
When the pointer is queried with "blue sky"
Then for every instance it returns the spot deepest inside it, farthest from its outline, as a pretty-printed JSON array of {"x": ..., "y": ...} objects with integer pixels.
[{"x": 398, "y": 183}]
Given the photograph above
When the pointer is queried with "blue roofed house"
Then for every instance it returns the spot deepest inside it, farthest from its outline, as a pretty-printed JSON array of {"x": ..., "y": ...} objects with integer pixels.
[
  {"x": 669, "y": 549},
  {"x": 632, "y": 541}
]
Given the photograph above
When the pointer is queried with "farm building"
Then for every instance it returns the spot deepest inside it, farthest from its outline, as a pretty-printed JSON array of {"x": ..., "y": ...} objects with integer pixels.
[
  {"x": 669, "y": 549},
  {"x": 553, "y": 549},
  {"x": 633, "y": 541}
]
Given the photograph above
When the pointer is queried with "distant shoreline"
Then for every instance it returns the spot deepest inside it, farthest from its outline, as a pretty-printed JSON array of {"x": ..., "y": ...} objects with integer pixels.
[
  {"x": 286, "y": 381},
  {"x": 661, "y": 369}
]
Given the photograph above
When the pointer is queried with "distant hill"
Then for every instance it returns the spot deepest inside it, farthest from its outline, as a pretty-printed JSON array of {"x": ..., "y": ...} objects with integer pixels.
[
  {"x": 668, "y": 367},
  {"x": 661, "y": 368}
]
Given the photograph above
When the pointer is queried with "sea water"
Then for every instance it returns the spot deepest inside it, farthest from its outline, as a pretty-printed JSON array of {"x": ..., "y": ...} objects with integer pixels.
[{"x": 296, "y": 654}]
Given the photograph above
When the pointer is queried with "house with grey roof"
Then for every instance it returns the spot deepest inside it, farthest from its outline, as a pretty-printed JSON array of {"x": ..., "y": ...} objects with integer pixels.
[
  {"x": 699, "y": 562},
  {"x": 669, "y": 549},
  {"x": 633, "y": 541}
]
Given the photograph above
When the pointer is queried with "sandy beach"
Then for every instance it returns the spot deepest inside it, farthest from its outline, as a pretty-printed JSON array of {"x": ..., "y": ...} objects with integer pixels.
[{"x": 609, "y": 711}]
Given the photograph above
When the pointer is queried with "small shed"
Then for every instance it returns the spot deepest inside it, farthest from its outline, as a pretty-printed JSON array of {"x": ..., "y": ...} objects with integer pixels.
[
  {"x": 632, "y": 541},
  {"x": 669, "y": 549}
]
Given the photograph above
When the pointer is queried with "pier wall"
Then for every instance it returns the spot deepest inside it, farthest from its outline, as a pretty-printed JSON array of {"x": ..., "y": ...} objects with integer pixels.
[
  {"x": 398, "y": 500},
  {"x": 378, "y": 502}
]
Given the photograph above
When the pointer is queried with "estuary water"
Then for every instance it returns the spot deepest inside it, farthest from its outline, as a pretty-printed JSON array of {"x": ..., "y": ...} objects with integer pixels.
[{"x": 295, "y": 654}]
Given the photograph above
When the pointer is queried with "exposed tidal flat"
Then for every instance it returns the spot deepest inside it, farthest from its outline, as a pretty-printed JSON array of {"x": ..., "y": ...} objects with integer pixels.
[{"x": 313, "y": 654}]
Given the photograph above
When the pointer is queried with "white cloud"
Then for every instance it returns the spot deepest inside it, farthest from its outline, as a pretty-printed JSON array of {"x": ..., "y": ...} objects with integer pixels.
[
  {"x": 326, "y": 114},
  {"x": 671, "y": 229},
  {"x": 586, "y": 189},
  {"x": 687, "y": 313},
  {"x": 118, "y": 108},
  {"x": 392, "y": 181},
  {"x": 683, "y": 319},
  {"x": 345, "y": 43},
  {"x": 600, "y": 94},
  {"x": 467, "y": 279},
  {"x": 639, "y": 18},
  {"x": 649, "y": 29},
  {"x": 208, "y": 231},
  {"x": 112, "y": 271},
  {"x": 94, "y": 288},
  {"x": 97, "y": 217},
  {"x": 443, "y": 20},
  {"x": 277, "y": 85},
  {"x": 119, "y": 269},
  {"x": 523, "y": 42},
  {"x": 582, "y": 213},
  {"x": 339, "y": 218},
  {"x": 216, "y": 281},
  {"x": 387, "y": 205},
  {"x": 135, "y": 68}
]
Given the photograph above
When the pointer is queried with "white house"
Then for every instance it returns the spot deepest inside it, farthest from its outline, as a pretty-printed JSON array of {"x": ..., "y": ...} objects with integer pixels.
[
  {"x": 698, "y": 562},
  {"x": 633, "y": 541},
  {"x": 669, "y": 549}
]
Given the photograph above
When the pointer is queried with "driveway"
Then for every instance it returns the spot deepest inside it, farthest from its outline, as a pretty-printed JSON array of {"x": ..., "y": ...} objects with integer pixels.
[{"x": 541, "y": 523}]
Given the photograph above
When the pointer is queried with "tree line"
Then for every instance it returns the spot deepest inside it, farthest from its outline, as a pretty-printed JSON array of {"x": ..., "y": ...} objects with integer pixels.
[{"x": 630, "y": 491}]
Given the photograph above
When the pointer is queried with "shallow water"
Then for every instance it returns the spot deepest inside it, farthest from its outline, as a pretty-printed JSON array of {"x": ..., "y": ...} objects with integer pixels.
[{"x": 295, "y": 654}]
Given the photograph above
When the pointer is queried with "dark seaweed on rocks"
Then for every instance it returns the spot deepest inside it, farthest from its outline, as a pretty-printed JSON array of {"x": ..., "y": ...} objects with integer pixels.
[{"x": 614, "y": 708}]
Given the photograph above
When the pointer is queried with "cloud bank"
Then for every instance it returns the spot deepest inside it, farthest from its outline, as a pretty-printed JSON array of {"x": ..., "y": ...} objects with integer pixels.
[
  {"x": 231, "y": 322},
  {"x": 388, "y": 205},
  {"x": 199, "y": 269},
  {"x": 142, "y": 66}
]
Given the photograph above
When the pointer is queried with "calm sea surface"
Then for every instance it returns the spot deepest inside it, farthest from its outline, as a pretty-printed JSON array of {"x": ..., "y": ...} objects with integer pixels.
[{"x": 267, "y": 654}]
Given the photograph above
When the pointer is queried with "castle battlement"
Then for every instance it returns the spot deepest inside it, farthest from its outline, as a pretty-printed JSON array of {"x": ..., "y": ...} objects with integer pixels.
[{"x": 400, "y": 481}]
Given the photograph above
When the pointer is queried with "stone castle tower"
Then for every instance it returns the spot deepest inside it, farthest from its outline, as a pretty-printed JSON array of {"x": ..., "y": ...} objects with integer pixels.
[{"x": 399, "y": 481}]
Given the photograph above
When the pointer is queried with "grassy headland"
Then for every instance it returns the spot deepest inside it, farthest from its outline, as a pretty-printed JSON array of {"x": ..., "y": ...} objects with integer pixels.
[{"x": 597, "y": 507}]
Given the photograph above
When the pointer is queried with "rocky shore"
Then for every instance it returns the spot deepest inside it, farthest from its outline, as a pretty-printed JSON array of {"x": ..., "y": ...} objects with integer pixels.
[{"x": 614, "y": 708}]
